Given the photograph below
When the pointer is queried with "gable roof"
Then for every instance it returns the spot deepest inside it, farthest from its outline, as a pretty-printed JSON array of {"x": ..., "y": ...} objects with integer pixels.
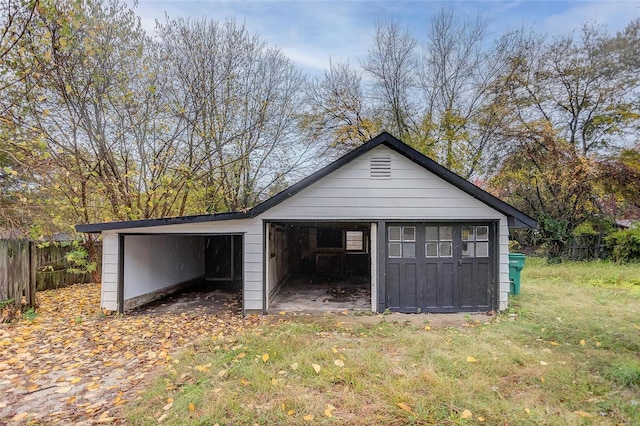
[{"x": 516, "y": 218}]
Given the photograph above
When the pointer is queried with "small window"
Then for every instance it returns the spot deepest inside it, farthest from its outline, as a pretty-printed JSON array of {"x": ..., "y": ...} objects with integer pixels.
[
  {"x": 409, "y": 233},
  {"x": 446, "y": 250},
  {"x": 467, "y": 233},
  {"x": 446, "y": 233},
  {"x": 431, "y": 249},
  {"x": 395, "y": 233},
  {"x": 355, "y": 240},
  {"x": 482, "y": 233},
  {"x": 432, "y": 233},
  {"x": 395, "y": 250},
  {"x": 468, "y": 249},
  {"x": 482, "y": 249},
  {"x": 409, "y": 250}
]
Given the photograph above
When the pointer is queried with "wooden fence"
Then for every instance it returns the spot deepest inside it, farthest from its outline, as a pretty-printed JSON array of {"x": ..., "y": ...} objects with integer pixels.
[
  {"x": 17, "y": 276},
  {"x": 26, "y": 268}
]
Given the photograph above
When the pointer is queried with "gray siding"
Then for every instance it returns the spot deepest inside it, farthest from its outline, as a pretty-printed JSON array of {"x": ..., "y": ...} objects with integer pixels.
[{"x": 412, "y": 193}]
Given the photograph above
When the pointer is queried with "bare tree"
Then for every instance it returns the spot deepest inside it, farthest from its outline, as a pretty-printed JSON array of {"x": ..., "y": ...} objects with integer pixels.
[
  {"x": 457, "y": 77},
  {"x": 392, "y": 65},
  {"x": 241, "y": 100},
  {"x": 337, "y": 111}
]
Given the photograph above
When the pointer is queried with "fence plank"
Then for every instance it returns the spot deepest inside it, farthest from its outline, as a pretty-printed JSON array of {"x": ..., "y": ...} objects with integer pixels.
[
  {"x": 4, "y": 270},
  {"x": 14, "y": 269}
]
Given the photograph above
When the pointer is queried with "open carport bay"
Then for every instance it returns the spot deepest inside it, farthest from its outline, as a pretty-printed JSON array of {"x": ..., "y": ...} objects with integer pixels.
[{"x": 157, "y": 265}]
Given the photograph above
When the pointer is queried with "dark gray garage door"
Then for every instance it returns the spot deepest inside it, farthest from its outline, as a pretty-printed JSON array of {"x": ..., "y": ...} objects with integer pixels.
[{"x": 439, "y": 267}]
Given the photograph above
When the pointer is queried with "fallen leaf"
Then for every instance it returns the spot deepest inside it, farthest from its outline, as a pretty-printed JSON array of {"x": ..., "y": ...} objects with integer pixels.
[
  {"x": 471, "y": 359},
  {"x": 75, "y": 380},
  {"x": 427, "y": 328},
  {"x": 334, "y": 349},
  {"x": 274, "y": 381},
  {"x": 64, "y": 389},
  {"x": 554, "y": 343},
  {"x": 291, "y": 412},
  {"x": 162, "y": 417},
  {"x": 71, "y": 400},
  {"x": 167, "y": 406},
  {"x": 282, "y": 313},
  {"x": 308, "y": 418},
  {"x": 481, "y": 419},
  {"x": 20, "y": 416},
  {"x": 294, "y": 366},
  {"x": 265, "y": 357},
  {"x": 582, "y": 342},
  {"x": 244, "y": 381},
  {"x": 544, "y": 363},
  {"x": 192, "y": 407},
  {"x": 109, "y": 420},
  {"x": 526, "y": 410},
  {"x": 583, "y": 414},
  {"x": 404, "y": 406},
  {"x": 328, "y": 410},
  {"x": 598, "y": 344},
  {"x": 541, "y": 379},
  {"x": 466, "y": 414},
  {"x": 316, "y": 367},
  {"x": 339, "y": 363}
]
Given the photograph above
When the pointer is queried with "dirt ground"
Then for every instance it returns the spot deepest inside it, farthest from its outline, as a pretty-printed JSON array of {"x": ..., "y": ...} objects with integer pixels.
[{"x": 71, "y": 364}]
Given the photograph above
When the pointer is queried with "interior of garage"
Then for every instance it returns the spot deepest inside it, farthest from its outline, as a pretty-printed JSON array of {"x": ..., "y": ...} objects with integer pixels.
[
  {"x": 192, "y": 268},
  {"x": 319, "y": 266}
]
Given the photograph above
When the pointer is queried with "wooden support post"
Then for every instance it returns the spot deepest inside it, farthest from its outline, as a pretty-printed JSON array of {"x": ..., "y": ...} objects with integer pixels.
[{"x": 31, "y": 287}]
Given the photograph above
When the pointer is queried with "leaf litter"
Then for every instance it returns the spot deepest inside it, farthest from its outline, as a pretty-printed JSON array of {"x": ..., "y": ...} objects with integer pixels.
[{"x": 72, "y": 364}]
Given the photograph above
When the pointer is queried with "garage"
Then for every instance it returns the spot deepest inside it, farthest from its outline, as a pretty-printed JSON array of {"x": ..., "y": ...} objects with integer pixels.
[
  {"x": 440, "y": 267},
  {"x": 381, "y": 228}
]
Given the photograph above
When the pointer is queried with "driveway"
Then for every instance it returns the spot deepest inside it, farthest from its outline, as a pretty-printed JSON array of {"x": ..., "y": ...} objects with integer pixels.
[{"x": 72, "y": 364}]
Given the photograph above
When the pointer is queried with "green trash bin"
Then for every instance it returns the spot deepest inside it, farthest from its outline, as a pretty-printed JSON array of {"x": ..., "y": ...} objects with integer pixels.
[{"x": 516, "y": 264}]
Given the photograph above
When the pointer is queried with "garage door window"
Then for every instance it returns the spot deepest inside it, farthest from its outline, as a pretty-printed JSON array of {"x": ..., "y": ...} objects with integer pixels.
[
  {"x": 439, "y": 241},
  {"x": 475, "y": 241},
  {"x": 402, "y": 242}
]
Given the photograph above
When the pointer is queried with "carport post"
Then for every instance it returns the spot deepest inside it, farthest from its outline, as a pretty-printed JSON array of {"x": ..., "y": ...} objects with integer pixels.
[{"x": 120, "y": 273}]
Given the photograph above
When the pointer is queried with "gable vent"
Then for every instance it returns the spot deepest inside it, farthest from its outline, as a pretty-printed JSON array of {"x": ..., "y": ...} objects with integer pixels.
[{"x": 380, "y": 167}]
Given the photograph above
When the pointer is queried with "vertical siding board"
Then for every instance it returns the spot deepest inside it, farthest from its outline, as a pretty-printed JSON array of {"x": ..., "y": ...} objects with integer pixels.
[{"x": 108, "y": 296}]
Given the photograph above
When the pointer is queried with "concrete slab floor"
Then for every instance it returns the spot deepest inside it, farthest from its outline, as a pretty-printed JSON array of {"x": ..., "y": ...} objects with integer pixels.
[
  {"x": 191, "y": 301},
  {"x": 312, "y": 293}
]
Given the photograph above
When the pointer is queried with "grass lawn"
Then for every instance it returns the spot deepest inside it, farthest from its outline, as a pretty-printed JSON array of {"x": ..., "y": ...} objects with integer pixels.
[{"x": 567, "y": 352}]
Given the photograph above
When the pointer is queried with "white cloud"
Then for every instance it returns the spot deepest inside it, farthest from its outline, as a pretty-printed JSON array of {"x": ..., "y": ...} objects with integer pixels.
[{"x": 614, "y": 14}]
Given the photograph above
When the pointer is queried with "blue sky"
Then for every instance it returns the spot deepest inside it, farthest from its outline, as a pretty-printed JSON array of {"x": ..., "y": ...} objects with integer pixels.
[{"x": 314, "y": 32}]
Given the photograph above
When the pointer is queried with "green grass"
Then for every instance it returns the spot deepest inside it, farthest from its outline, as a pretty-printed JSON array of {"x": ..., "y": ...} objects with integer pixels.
[{"x": 570, "y": 356}]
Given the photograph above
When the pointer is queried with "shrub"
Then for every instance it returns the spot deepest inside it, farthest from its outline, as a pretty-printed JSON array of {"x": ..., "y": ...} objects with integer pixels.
[{"x": 624, "y": 244}]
